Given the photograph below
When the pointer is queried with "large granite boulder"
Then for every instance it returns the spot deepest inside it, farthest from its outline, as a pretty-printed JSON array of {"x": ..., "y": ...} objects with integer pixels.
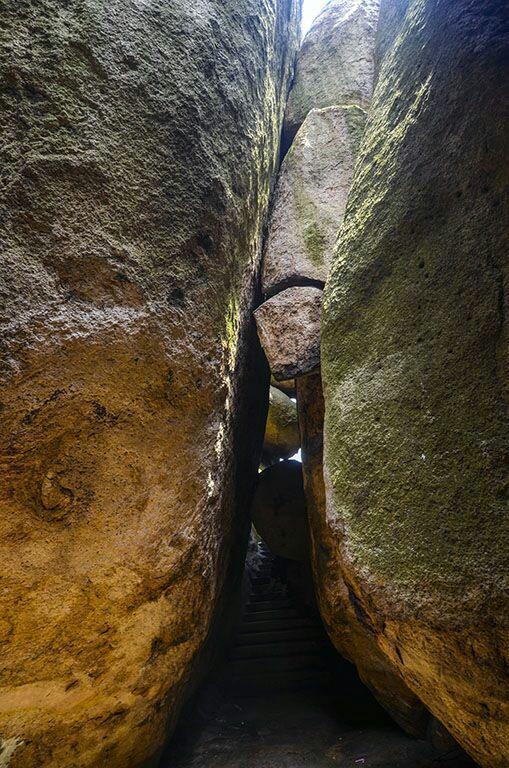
[
  {"x": 138, "y": 143},
  {"x": 279, "y": 510},
  {"x": 282, "y": 437},
  {"x": 288, "y": 327},
  {"x": 414, "y": 358},
  {"x": 335, "y": 64},
  {"x": 342, "y": 615},
  {"x": 310, "y": 198}
]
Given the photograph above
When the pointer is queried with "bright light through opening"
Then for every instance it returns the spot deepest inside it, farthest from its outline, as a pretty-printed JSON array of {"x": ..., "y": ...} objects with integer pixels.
[{"x": 310, "y": 10}]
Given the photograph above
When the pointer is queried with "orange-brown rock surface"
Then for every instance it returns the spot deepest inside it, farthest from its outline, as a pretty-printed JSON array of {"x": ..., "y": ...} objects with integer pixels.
[
  {"x": 138, "y": 141},
  {"x": 414, "y": 363}
]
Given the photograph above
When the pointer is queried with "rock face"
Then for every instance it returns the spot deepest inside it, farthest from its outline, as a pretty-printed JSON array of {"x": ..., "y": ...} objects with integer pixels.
[
  {"x": 288, "y": 386},
  {"x": 279, "y": 510},
  {"x": 310, "y": 201},
  {"x": 282, "y": 438},
  {"x": 138, "y": 144},
  {"x": 342, "y": 615},
  {"x": 414, "y": 359},
  {"x": 335, "y": 64},
  {"x": 310, "y": 198},
  {"x": 392, "y": 14},
  {"x": 289, "y": 330}
]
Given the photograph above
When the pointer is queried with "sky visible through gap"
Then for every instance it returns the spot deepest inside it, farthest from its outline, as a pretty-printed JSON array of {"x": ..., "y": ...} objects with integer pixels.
[{"x": 310, "y": 10}]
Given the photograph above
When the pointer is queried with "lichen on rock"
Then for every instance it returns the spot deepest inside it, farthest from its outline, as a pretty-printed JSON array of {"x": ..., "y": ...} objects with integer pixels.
[
  {"x": 310, "y": 198},
  {"x": 414, "y": 356}
]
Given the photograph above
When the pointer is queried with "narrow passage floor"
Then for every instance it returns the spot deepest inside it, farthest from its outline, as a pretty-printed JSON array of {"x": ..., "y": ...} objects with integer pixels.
[{"x": 285, "y": 700}]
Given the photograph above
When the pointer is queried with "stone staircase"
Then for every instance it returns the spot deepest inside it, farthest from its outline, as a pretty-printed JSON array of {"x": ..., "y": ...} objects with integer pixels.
[{"x": 280, "y": 645}]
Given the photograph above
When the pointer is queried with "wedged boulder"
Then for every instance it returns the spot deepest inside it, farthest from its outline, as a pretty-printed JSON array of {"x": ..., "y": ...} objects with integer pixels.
[
  {"x": 279, "y": 510},
  {"x": 414, "y": 358},
  {"x": 335, "y": 64},
  {"x": 138, "y": 144},
  {"x": 282, "y": 437},
  {"x": 310, "y": 198},
  {"x": 342, "y": 615},
  {"x": 289, "y": 331},
  {"x": 288, "y": 386}
]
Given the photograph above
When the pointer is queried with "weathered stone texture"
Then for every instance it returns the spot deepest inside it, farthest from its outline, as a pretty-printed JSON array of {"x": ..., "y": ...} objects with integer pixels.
[
  {"x": 310, "y": 198},
  {"x": 335, "y": 64},
  {"x": 391, "y": 17},
  {"x": 288, "y": 386},
  {"x": 138, "y": 140},
  {"x": 289, "y": 331},
  {"x": 282, "y": 438},
  {"x": 414, "y": 358},
  {"x": 342, "y": 615}
]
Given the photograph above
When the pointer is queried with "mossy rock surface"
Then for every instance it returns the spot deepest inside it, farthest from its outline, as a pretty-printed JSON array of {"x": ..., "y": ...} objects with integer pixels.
[
  {"x": 414, "y": 356},
  {"x": 347, "y": 626},
  {"x": 335, "y": 65},
  {"x": 310, "y": 198}
]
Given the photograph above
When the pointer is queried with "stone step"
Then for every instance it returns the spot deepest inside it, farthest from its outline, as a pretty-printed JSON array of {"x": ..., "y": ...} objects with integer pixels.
[
  {"x": 293, "y": 680},
  {"x": 268, "y": 605},
  {"x": 276, "y": 622},
  {"x": 263, "y": 581},
  {"x": 270, "y": 664},
  {"x": 275, "y": 613},
  {"x": 279, "y": 648},
  {"x": 292, "y": 634},
  {"x": 266, "y": 594}
]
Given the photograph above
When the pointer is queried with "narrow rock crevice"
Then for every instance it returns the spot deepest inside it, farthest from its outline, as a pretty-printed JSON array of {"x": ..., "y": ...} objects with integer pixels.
[
  {"x": 253, "y": 434},
  {"x": 284, "y": 696}
]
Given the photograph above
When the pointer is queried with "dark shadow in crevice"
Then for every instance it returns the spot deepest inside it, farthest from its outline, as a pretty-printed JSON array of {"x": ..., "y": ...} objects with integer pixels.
[{"x": 308, "y": 709}]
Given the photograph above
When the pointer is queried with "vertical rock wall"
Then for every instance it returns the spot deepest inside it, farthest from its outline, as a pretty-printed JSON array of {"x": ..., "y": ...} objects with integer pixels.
[
  {"x": 335, "y": 73},
  {"x": 414, "y": 357},
  {"x": 138, "y": 142},
  {"x": 334, "y": 76},
  {"x": 341, "y": 613}
]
